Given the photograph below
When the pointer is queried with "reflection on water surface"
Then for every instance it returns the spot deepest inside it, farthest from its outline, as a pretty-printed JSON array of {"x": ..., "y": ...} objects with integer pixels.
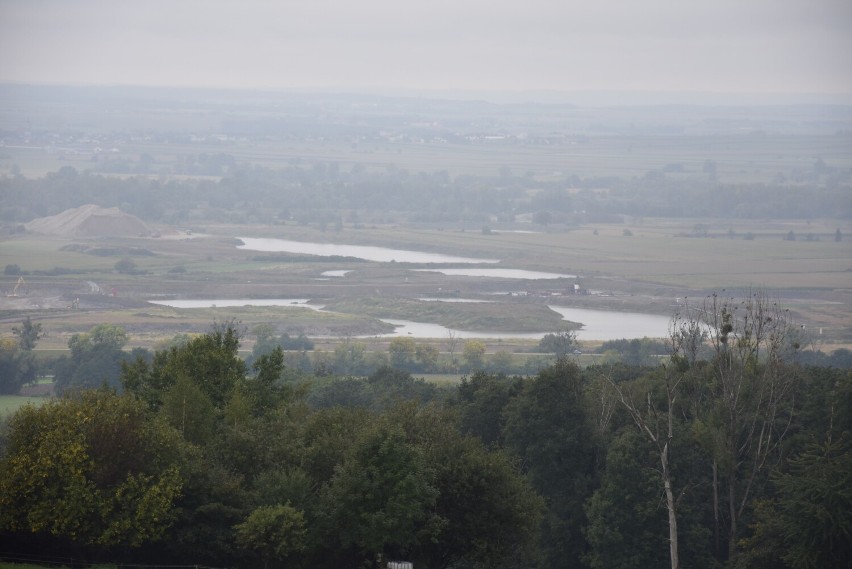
[
  {"x": 369, "y": 253},
  {"x": 597, "y": 325}
]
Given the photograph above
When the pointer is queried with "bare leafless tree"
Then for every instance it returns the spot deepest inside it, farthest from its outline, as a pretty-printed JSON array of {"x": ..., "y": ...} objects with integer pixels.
[
  {"x": 657, "y": 424},
  {"x": 746, "y": 402}
]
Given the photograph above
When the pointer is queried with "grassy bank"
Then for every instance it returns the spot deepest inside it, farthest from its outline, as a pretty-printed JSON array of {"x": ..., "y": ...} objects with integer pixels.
[{"x": 11, "y": 403}]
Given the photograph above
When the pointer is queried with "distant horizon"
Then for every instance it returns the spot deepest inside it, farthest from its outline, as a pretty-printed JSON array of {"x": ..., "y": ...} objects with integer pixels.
[
  {"x": 579, "y": 97},
  {"x": 725, "y": 51}
]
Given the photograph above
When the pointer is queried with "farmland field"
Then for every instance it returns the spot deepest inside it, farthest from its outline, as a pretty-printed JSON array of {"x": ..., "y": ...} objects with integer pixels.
[
  {"x": 545, "y": 188},
  {"x": 647, "y": 271}
]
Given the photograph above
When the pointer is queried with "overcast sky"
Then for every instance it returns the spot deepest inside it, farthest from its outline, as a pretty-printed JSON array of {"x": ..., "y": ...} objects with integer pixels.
[{"x": 722, "y": 46}]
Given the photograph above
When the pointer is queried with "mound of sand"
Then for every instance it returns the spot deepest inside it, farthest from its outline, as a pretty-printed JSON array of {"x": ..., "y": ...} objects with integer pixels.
[{"x": 90, "y": 221}]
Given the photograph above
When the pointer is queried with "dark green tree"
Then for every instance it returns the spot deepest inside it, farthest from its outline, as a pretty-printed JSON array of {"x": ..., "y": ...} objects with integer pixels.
[
  {"x": 627, "y": 526},
  {"x": 380, "y": 499},
  {"x": 125, "y": 265},
  {"x": 489, "y": 514},
  {"x": 189, "y": 410},
  {"x": 547, "y": 427},
  {"x": 211, "y": 361},
  {"x": 481, "y": 400},
  {"x": 17, "y": 362},
  {"x": 388, "y": 386},
  {"x": 807, "y": 523},
  {"x": 560, "y": 343},
  {"x": 96, "y": 359},
  {"x": 652, "y": 404},
  {"x": 28, "y": 334},
  {"x": 10, "y": 376}
]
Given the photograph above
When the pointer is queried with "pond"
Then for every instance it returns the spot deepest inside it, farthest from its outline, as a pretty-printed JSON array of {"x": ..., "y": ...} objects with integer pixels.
[
  {"x": 499, "y": 273},
  {"x": 455, "y": 299},
  {"x": 226, "y": 303},
  {"x": 612, "y": 325},
  {"x": 369, "y": 253}
]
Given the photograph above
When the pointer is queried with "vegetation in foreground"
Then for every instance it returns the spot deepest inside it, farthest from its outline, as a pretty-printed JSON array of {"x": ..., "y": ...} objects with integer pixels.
[{"x": 729, "y": 454}]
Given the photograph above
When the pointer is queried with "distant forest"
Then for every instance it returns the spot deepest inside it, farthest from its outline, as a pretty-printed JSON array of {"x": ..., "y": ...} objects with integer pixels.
[{"x": 328, "y": 194}]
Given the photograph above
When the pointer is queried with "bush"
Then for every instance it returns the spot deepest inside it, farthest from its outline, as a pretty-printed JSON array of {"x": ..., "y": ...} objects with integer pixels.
[{"x": 126, "y": 266}]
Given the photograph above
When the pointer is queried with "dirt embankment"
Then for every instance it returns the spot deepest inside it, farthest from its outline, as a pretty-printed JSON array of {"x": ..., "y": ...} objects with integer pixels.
[{"x": 90, "y": 221}]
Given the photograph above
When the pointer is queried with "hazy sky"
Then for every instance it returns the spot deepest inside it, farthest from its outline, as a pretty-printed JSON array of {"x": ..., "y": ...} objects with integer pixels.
[{"x": 759, "y": 46}]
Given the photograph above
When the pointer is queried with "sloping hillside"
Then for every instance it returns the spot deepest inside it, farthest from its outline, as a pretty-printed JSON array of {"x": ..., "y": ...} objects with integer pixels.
[{"x": 89, "y": 221}]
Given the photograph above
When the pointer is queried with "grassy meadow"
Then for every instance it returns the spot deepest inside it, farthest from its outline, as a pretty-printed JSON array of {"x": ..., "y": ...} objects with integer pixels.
[{"x": 11, "y": 403}]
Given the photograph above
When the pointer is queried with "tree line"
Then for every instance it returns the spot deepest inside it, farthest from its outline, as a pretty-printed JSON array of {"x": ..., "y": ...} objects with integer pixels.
[
  {"x": 729, "y": 453},
  {"x": 95, "y": 357},
  {"x": 330, "y": 196}
]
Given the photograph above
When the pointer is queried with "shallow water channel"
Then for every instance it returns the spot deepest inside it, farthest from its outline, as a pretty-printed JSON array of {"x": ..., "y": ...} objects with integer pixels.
[
  {"x": 386, "y": 255},
  {"x": 369, "y": 253},
  {"x": 597, "y": 324}
]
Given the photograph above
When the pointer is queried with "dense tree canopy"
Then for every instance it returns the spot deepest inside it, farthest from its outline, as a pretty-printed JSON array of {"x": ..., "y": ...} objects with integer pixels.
[{"x": 207, "y": 460}]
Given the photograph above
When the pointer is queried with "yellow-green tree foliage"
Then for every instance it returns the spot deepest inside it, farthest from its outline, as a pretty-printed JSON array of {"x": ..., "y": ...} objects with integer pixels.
[
  {"x": 474, "y": 354},
  {"x": 402, "y": 352},
  {"x": 94, "y": 468}
]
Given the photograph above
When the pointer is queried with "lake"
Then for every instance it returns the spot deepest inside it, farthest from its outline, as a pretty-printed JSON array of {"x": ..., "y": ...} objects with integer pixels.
[{"x": 366, "y": 252}]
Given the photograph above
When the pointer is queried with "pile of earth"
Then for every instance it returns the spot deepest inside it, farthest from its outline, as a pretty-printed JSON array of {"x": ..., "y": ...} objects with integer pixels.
[{"x": 90, "y": 221}]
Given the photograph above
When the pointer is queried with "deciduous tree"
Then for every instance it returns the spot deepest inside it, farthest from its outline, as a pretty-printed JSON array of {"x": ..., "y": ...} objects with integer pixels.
[
  {"x": 746, "y": 400},
  {"x": 276, "y": 532},
  {"x": 210, "y": 360},
  {"x": 92, "y": 468},
  {"x": 381, "y": 498},
  {"x": 402, "y": 352},
  {"x": 474, "y": 354},
  {"x": 96, "y": 358},
  {"x": 548, "y": 428}
]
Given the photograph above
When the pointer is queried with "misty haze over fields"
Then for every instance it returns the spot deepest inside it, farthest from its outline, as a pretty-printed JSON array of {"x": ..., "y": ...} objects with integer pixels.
[
  {"x": 604, "y": 157},
  {"x": 770, "y": 49},
  {"x": 426, "y": 285}
]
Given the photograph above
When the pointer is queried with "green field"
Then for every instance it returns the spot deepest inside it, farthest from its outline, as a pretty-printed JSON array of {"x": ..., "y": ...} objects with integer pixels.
[{"x": 11, "y": 403}]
